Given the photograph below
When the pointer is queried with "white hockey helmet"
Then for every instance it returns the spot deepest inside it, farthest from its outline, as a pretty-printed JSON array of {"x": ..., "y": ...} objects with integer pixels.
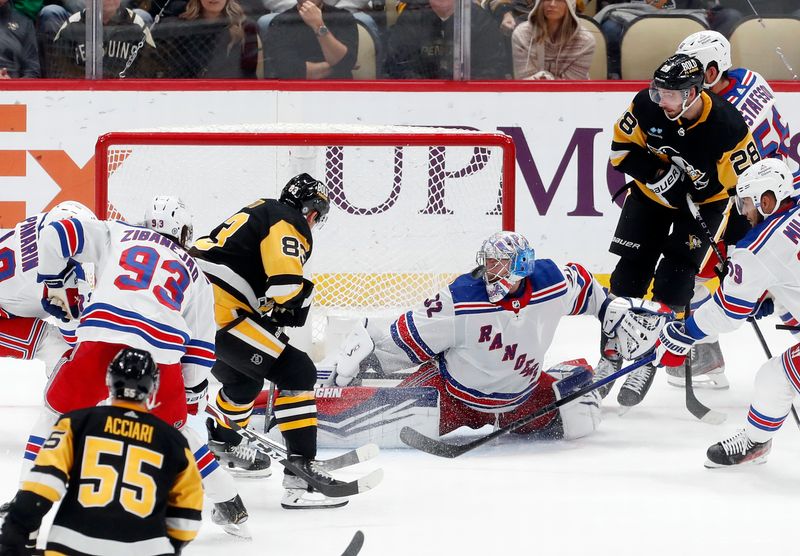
[
  {"x": 518, "y": 259},
  {"x": 67, "y": 209},
  {"x": 169, "y": 217},
  {"x": 770, "y": 174},
  {"x": 707, "y": 47}
]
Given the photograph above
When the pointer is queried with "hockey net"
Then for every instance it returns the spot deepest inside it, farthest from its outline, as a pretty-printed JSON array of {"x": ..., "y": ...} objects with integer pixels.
[{"x": 409, "y": 206}]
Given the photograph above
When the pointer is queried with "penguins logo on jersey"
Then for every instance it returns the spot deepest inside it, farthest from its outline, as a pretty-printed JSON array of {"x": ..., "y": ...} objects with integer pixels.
[
  {"x": 256, "y": 359},
  {"x": 698, "y": 177},
  {"x": 694, "y": 242}
]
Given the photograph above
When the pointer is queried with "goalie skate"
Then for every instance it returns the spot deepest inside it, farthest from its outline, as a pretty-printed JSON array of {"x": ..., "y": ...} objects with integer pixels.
[
  {"x": 737, "y": 450},
  {"x": 708, "y": 368}
]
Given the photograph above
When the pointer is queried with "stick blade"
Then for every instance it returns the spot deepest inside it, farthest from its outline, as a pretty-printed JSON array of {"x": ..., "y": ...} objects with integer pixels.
[
  {"x": 355, "y": 544},
  {"x": 419, "y": 441},
  {"x": 714, "y": 417}
]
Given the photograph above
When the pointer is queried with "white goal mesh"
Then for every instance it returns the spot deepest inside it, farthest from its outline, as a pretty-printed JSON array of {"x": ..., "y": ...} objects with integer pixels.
[{"x": 409, "y": 206}]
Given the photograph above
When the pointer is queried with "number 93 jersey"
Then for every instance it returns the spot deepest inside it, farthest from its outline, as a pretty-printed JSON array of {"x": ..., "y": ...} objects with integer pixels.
[{"x": 149, "y": 292}]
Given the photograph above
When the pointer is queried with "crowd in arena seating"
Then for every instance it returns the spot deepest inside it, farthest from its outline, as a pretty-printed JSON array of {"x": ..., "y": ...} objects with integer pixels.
[{"x": 357, "y": 39}]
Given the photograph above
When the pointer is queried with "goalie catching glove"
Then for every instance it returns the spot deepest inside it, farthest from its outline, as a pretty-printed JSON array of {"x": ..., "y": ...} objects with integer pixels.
[
  {"x": 356, "y": 348},
  {"x": 61, "y": 297},
  {"x": 633, "y": 324}
]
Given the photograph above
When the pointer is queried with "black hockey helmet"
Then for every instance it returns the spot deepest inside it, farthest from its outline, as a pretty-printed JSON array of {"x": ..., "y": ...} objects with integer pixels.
[
  {"x": 679, "y": 72},
  {"x": 132, "y": 375},
  {"x": 307, "y": 194}
]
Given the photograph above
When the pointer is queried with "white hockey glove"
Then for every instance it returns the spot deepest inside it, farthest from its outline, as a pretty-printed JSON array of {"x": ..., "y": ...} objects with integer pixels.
[
  {"x": 635, "y": 323},
  {"x": 355, "y": 348},
  {"x": 60, "y": 296}
]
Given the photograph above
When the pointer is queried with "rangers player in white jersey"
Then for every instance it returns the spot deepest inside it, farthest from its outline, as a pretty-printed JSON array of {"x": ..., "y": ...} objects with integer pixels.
[
  {"x": 764, "y": 263},
  {"x": 149, "y": 294},
  {"x": 24, "y": 332},
  {"x": 482, "y": 340},
  {"x": 754, "y": 98}
]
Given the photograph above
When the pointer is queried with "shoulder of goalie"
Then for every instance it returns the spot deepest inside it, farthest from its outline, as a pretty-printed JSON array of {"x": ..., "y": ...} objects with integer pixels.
[
  {"x": 61, "y": 297},
  {"x": 581, "y": 417},
  {"x": 344, "y": 366},
  {"x": 634, "y": 323}
]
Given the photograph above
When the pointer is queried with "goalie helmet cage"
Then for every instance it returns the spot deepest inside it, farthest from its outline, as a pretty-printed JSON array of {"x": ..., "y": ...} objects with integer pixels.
[{"x": 410, "y": 206}]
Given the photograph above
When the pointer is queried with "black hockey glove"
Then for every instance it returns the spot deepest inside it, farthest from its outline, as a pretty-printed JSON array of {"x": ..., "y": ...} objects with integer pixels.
[
  {"x": 14, "y": 539},
  {"x": 295, "y": 312}
]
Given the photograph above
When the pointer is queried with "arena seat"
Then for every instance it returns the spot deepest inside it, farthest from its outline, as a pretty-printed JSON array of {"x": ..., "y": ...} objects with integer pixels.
[
  {"x": 651, "y": 39},
  {"x": 599, "y": 67},
  {"x": 755, "y": 43}
]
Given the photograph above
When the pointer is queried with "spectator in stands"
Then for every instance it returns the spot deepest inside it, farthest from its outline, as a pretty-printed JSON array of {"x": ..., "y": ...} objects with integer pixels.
[
  {"x": 210, "y": 39},
  {"x": 123, "y": 30},
  {"x": 311, "y": 41},
  {"x": 551, "y": 44},
  {"x": 421, "y": 44},
  {"x": 280, "y": 6},
  {"x": 724, "y": 15},
  {"x": 18, "y": 54},
  {"x": 615, "y": 19}
]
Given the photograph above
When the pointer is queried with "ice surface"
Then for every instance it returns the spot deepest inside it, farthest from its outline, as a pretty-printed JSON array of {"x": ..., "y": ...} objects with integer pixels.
[{"x": 636, "y": 487}]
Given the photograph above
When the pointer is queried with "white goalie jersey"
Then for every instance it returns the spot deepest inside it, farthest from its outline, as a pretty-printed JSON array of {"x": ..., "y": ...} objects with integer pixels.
[
  {"x": 490, "y": 354},
  {"x": 764, "y": 261},
  {"x": 149, "y": 293}
]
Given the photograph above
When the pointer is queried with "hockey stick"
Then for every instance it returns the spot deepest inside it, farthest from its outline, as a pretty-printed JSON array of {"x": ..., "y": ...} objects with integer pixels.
[
  {"x": 355, "y": 545},
  {"x": 417, "y": 440},
  {"x": 695, "y": 407},
  {"x": 768, "y": 353},
  {"x": 278, "y": 452}
]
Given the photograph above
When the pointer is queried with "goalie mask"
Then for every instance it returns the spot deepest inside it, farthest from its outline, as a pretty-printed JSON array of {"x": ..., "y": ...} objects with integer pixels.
[
  {"x": 504, "y": 259},
  {"x": 307, "y": 194},
  {"x": 169, "y": 217}
]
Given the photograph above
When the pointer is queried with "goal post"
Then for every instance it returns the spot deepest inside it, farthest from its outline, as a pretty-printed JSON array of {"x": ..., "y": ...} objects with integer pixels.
[{"x": 409, "y": 205}]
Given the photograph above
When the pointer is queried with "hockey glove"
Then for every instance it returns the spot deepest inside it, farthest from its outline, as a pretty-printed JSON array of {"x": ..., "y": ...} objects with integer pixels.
[
  {"x": 763, "y": 308},
  {"x": 196, "y": 398},
  {"x": 665, "y": 181},
  {"x": 295, "y": 313},
  {"x": 673, "y": 345},
  {"x": 60, "y": 297},
  {"x": 634, "y": 323},
  {"x": 356, "y": 347},
  {"x": 14, "y": 539}
]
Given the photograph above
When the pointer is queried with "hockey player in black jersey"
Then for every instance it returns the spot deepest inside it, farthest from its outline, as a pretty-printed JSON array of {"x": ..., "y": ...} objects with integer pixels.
[
  {"x": 254, "y": 261},
  {"x": 674, "y": 140},
  {"x": 128, "y": 482}
]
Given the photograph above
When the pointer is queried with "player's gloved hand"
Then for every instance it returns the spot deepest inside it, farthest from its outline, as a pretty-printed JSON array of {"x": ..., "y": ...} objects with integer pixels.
[
  {"x": 295, "y": 315},
  {"x": 14, "y": 539},
  {"x": 634, "y": 323},
  {"x": 355, "y": 348},
  {"x": 764, "y": 307},
  {"x": 664, "y": 181},
  {"x": 61, "y": 297},
  {"x": 673, "y": 345},
  {"x": 197, "y": 398}
]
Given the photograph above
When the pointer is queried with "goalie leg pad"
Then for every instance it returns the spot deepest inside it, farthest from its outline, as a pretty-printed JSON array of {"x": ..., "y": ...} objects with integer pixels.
[
  {"x": 249, "y": 347},
  {"x": 20, "y": 336}
]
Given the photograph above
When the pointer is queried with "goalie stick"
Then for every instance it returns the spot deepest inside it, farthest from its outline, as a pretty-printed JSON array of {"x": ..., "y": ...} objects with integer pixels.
[
  {"x": 355, "y": 544},
  {"x": 443, "y": 449},
  {"x": 278, "y": 452}
]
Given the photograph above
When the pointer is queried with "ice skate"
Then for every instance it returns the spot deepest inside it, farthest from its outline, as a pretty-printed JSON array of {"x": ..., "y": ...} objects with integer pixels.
[
  {"x": 737, "y": 450},
  {"x": 708, "y": 368},
  {"x": 635, "y": 387},
  {"x": 603, "y": 369},
  {"x": 300, "y": 496},
  {"x": 240, "y": 460},
  {"x": 231, "y": 516}
]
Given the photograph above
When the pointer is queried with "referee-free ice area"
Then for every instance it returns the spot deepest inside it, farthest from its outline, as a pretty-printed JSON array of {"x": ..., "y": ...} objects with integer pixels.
[{"x": 637, "y": 486}]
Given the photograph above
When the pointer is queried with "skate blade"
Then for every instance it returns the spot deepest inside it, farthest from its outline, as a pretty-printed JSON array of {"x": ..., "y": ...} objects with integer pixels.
[
  {"x": 314, "y": 506},
  {"x": 624, "y": 409},
  {"x": 756, "y": 461},
  {"x": 244, "y": 474},
  {"x": 720, "y": 383},
  {"x": 240, "y": 531}
]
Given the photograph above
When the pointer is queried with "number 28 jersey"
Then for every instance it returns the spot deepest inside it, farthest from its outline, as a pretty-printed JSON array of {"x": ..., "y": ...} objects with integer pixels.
[{"x": 149, "y": 293}]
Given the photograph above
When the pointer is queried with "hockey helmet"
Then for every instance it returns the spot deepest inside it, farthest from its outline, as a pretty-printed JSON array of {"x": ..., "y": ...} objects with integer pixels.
[
  {"x": 68, "y": 209},
  {"x": 307, "y": 194},
  {"x": 169, "y": 217},
  {"x": 708, "y": 47},
  {"x": 516, "y": 260},
  {"x": 770, "y": 174},
  {"x": 680, "y": 73},
  {"x": 132, "y": 375}
]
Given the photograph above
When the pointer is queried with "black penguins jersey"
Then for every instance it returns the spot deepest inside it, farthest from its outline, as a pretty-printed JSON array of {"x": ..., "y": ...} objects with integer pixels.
[
  {"x": 256, "y": 257},
  {"x": 712, "y": 151},
  {"x": 128, "y": 481}
]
